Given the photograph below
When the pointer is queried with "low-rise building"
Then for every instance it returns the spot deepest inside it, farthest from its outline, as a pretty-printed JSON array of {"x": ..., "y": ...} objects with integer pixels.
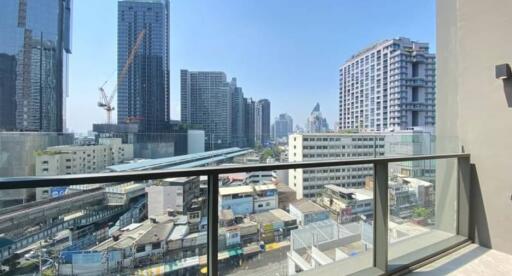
[
  {"x": 274, "y": 225},
  {"x": 260, "y": 177},
  {"x": 175, "y": 194},
  {"x": 286, "y": 195},
  {"x": 140, "y": 243},
  {"x": 306, "y": 212},
  {"x": 347, "y": 204},
  {"x": 245, "y": 200}
]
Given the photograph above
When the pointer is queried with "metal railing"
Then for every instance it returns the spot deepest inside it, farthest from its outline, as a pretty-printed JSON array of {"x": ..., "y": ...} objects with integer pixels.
[{"x": 380, "y": 165}]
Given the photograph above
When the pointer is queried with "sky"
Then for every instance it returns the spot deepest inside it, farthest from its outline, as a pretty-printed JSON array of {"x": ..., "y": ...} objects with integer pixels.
[{"x": 288, "y": 51}]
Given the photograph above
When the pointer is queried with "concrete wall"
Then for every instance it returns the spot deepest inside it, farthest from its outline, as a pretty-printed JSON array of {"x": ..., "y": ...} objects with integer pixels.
[{"x": 472, "y": 37}]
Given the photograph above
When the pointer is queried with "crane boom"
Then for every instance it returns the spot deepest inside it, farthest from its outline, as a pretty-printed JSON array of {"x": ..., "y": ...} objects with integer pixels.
[
  {"x": 105, "y": 101},
  {"x": 129, "y": 61}
]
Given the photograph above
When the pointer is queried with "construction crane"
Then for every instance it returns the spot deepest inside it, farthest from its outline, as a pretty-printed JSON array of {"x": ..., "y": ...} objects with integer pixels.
[{"x": 105, "y": 101}]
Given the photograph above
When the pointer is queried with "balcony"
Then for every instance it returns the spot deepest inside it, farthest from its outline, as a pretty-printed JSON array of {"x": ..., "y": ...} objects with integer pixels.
[{"x": 384, "y": 242}]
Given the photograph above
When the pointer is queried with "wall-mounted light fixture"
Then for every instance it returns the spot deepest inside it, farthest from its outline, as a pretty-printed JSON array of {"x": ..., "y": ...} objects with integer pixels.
[{"x": 503, "y": 71}]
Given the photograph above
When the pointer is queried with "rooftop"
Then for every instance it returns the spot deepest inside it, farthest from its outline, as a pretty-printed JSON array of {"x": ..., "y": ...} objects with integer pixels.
[
  {"x": 416, "y": 182},
  {"x": 182, "y": 161},
  {"x": 272, "y": 216},
  {"x": 159, "y": 232},
  {"x": 246, "y": 189},
  {"x": 359, "y": 194},
  {"x": 235, "y": 190},
  {"x": 307, "y": 206}
]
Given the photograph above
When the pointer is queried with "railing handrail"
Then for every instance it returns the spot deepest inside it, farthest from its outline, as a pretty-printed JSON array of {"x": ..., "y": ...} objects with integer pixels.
[{"x": 108, "y": 177}]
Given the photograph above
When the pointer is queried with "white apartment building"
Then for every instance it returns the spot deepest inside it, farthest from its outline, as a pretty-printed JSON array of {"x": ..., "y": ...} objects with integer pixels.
[
  {"x": 307, "y": 183},
  {"x": 324, "y": 146},
  {"x": 390, "y": 85},
  {"x": 75, "y": 159}
]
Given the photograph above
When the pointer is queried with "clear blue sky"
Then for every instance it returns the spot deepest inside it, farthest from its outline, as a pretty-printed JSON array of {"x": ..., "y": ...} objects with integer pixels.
[{"x": 288, "y": 51}]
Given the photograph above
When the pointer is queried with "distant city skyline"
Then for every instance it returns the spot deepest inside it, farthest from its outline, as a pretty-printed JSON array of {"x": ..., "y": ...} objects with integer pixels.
[{"x": 274, "y": 53}]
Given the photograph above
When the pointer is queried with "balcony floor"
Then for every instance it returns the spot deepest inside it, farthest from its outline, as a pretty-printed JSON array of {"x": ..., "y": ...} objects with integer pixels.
[{"x": 470, "y": 260}]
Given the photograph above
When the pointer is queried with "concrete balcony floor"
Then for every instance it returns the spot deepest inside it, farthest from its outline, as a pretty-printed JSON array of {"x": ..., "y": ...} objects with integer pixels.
[{"x": 470, "y": 260}]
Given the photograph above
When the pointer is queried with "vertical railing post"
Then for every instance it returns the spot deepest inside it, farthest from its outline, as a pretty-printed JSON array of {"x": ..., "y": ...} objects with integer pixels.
[
  {"x": 380, "y": 210},
  {"x": 463, "y": 196},
  {"x": 213, "y": 224}
]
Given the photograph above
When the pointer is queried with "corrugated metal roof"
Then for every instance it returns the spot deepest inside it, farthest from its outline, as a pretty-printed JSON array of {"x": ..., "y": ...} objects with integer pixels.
[
  {"x": 178, "y": 233},
  {"x": 176, "y": 161}
]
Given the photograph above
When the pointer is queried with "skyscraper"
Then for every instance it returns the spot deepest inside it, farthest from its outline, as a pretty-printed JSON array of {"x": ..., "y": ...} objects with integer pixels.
[
  {"x": 250, "y": 120},
  {"x": 143, "y": 93},
  {"x": 316, "y": 123},
  {"x": 238, "y": 138},
  {"x": 262, "y": 122},
  {"x": 34, "y": 48},
  {"x": 390, "y": 85},
  {"x": 206, "y": 104},
  {"x": 283, "y": 126}
]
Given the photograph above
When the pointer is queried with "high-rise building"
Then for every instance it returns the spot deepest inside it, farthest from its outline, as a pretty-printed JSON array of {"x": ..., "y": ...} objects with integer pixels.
[
  {"x": 283, "y": 125},
  {"x": 206, "y": 104},
  {"x": 238, "y": 138},
  {"x": 34, "y": 48},
  {"x": 316, "y": 123},
  {"x": 262, "y": 122},
  {"x": 390, "y": 85},
  {"x": 250, "y": 120},
  {"x": 143, "y": 93}
]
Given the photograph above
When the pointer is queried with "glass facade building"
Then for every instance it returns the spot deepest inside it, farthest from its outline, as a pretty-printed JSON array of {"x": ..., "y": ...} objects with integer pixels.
[
  {"x": 206, "y": 104},
  {"x": 34, "y": 48},
  {"x": 143, "y": 93}
]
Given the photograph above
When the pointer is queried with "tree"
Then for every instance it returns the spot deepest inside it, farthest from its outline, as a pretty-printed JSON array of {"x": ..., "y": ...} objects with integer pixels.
[
  {"x": 267, "y": 153},
  {"x": 421, "y": 212}
]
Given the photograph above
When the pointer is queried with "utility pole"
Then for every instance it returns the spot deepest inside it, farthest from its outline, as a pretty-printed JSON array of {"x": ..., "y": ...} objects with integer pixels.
[{"x": 40, "y": 258}]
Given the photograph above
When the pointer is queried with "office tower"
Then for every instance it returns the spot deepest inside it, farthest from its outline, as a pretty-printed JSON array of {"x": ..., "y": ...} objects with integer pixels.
[
  {"x": 262, "y": 122},
  {"x": 238, "y": 138},
  {"x": 316, "y": 123},
  {"x": 390, "y": 85},
  {"x": 250, "y": 112},
  {"x": 283, "y": 126},
  {"x": 34, "y": 48},
  {"x": 206, "y": 104},
  {"x": 143, "y": 91}
]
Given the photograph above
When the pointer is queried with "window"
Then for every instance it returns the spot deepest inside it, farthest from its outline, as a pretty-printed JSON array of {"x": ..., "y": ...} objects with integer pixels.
[
  {"x": 140, "y": 248},
  {"x": 415, "y": 118},
  {"x": 415, "y": 94},
  {"x": 156, "y": 245}
]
